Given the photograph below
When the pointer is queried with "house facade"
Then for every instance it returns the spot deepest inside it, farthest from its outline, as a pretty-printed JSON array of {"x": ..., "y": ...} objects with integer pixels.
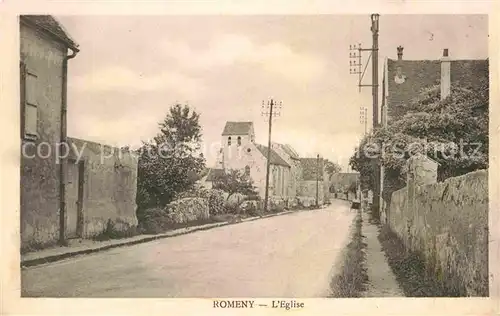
[
  {"x": 403, "y": 80},
  {"x": 49, "y": 212},
  {"x": 292, "y": 158}
]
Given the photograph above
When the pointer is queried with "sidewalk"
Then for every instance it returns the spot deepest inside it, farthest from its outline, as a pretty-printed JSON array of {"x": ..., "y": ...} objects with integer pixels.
[
  {"x": 86, "y": 246},
  {"x": 381, "y": 280}
]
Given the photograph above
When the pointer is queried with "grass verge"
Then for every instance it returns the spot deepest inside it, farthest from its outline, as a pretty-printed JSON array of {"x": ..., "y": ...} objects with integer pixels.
[
  {"x": 410, "y": 270},
  {"x": 352, "y": 278}
]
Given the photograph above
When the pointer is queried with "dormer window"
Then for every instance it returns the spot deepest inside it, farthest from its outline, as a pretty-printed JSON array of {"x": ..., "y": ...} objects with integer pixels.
[
  {"x": 239, "y": 140},
  {"x": 229, "y": 141}
]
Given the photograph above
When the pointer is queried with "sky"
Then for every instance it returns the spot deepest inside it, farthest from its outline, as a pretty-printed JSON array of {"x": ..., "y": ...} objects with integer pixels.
[{"x": 132, "y": 69}]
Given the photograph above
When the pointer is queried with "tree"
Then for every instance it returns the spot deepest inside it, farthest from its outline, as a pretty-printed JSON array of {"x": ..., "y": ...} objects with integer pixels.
[
  {"x": 234, "y": 182},
  {"x": 453, "y": 131},
  {"x": 171, "y": 162},
  {"x": 331, "y": 167}
]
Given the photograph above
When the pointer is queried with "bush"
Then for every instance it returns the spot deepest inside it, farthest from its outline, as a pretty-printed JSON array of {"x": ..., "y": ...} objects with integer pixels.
[
  {"x": 188, "y": 209},
  {"x": 216, "y": 202},
  {"x": 195, "y": 192},
  {"x": 251, "y": 208},
  {"x": 155, "y": 221},
  {"x": 234, "y": 200},
  {"x": 277, "y": 205}
]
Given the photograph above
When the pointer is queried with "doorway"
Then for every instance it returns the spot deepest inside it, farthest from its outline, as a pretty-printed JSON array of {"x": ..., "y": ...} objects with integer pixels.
[{"x": 74, "y": 198}]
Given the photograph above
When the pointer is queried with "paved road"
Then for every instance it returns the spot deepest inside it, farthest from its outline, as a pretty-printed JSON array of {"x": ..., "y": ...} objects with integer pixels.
[{"x": 284, "y": 256}]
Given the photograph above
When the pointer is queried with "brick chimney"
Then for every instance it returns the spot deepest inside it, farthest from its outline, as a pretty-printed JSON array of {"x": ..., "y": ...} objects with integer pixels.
[
  {"x": 445, "y": 74},
  {"x": 400, "y": 52}
]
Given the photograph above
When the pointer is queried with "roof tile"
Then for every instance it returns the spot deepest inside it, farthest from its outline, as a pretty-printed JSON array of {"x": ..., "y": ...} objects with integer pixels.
[
  {"x": 237, "y": 128},
  {"x": 49, "y": 24},
  {"x": 275, "y": 158},
  {"x": 421, "y": 74}
]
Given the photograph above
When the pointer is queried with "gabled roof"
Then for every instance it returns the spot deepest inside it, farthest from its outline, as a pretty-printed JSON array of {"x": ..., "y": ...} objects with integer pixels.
[
  {"x": 312, "y": 169},
  {"x": 287, "y": 150},
  {"x": 237, "y": 128},
  {"x": 214, "y": 173},
  {"x": 50, "y": 25},
  {"x": 290, "y": 151},
  {"x": 275, "y": 158},
  {"x": 421, "y": 74}
]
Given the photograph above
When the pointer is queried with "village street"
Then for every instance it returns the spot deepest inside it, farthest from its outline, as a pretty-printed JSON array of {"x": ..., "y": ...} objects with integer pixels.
[{"x": 284, "y": 256}]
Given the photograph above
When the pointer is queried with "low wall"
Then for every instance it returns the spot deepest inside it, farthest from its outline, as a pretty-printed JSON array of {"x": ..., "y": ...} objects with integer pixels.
[
  {"x": 109, "y": 188},
  {"x": 447, "y": 222}
]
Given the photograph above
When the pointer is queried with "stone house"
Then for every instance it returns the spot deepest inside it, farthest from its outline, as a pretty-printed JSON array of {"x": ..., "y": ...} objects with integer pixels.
[
  {"x": 54, "y": 201},
  {"x": 289, "y": 154},
  {"x": 403, "y": 80}
]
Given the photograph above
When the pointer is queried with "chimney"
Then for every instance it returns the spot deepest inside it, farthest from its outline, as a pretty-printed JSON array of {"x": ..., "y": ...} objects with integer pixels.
[
  {"x": 445, "y": 74},
  {"x": 400, "y": 52}
]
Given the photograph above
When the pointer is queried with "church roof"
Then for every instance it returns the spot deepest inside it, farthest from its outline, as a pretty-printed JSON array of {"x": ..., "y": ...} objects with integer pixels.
[
  {"x": 275, "y": 158},
  {"x": 237, "y": 128}
]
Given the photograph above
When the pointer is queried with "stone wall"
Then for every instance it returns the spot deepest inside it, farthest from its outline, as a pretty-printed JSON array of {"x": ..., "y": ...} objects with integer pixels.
[
  {"x": 110, "y": 186},
  {"x": 447, "y": 222},
  {"x": 39, "y": 171}
]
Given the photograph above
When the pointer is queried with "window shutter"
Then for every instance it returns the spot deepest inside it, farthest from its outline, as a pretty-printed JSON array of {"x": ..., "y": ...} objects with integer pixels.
[
  {"x": 30, "y": 106},
  {"x": 22, "y": 105}
]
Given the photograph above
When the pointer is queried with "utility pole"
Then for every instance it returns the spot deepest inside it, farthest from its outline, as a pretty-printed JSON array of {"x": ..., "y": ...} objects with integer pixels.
[
  {"x": 269, "y": 110},
  {"x": 317, "y": 180},
  {"x": 356, "y": 64}
]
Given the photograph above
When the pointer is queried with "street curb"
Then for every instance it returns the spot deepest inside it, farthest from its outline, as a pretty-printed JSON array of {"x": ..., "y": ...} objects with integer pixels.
[{"x": 69, "y": 254}]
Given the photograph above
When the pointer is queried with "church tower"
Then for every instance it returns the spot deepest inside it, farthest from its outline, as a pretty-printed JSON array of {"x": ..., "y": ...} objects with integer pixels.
[{"x": 236, "y": 138}]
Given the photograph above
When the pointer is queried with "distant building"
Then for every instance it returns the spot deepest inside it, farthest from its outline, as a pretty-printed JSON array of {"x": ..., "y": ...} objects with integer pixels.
[
  {"x": 62, "y": 198},
  {"x": 314, "y": 184},
  {"x": 240, "y": 152}
]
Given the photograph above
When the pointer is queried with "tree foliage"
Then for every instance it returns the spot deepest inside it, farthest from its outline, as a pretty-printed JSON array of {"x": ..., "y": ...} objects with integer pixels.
[
  {"x": 171, "y": 162},
  {"x": 331, "y": 167},
  {"x": 234, "y": 182},
  {"x": 453, "y": 132}
]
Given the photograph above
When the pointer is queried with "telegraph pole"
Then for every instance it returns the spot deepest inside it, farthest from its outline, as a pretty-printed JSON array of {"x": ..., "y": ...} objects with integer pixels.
[
  {"x": 374, "y": 29},
  {"x": 356, "y": 65},
  {"x": 272, "y": 109}
]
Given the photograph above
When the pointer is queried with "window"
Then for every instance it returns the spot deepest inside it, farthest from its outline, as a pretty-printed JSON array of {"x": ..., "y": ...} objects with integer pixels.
[
  {"x": 239, "y": 140},
  {"x": 29, "y": 104},
  {"x": 229, "y": 141}
]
